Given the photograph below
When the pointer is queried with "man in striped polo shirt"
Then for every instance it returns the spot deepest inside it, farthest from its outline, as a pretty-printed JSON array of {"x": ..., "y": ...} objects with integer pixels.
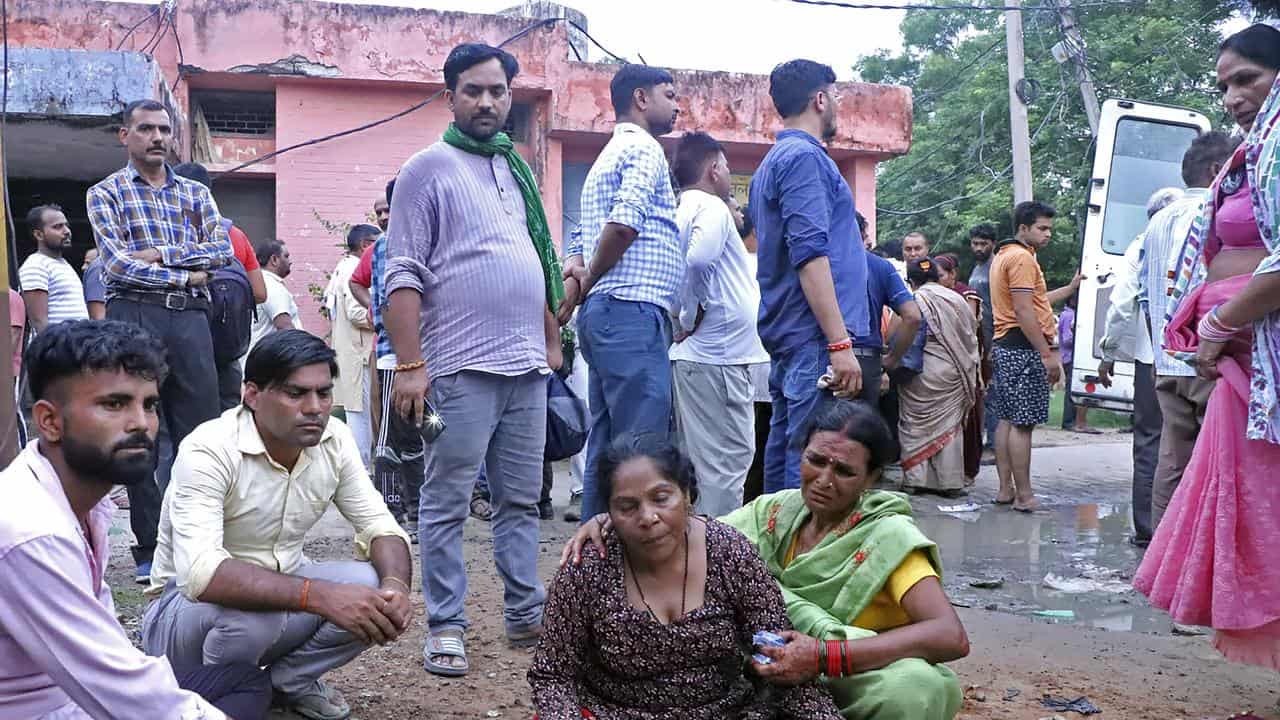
[{"x": 50, "y": 287}]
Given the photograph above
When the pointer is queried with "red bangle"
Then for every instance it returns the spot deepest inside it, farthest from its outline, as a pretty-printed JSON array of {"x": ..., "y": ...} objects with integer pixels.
[
  {"x": 845, "y": 344},
  {"x": 833, "y": 669},
  {"x": 306, "y": 590},
  {"x": 817, "y": 656}
]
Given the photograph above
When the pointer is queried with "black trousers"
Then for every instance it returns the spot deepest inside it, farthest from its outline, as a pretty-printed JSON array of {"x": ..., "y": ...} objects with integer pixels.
[
  {"x": 1148, "y": 422},
  {"x": 240, "y": 690},
  {"x": 230, "y": 382},
  {"x": 400, "y": 483},
  {"x": 188, "y": 397}
]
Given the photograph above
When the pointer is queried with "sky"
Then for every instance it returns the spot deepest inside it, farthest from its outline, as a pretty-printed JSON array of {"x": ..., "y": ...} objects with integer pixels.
[{"x": 736, "y": 35}]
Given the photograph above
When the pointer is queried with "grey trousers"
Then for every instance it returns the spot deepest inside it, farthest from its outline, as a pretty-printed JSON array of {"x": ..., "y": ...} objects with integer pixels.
[
  {"x": 499, "y": 422},
  {"x": 715, "y": 424},
  {"x": 297, "y": 647},
  {"x": 1183, "y": 401},
  {"x": 1146, "y": 447}
]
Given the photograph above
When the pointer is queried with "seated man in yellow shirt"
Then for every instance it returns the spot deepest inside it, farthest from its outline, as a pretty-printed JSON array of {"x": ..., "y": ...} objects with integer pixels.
[{"x": 233, "y": 583}]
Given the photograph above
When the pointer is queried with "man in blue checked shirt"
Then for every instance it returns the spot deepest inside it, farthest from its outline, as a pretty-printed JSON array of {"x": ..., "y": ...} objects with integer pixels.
[
  {"x": 160, "y": 237},
  {"x": 812, "y": 263},
  {"x": 626, "y": 265}
]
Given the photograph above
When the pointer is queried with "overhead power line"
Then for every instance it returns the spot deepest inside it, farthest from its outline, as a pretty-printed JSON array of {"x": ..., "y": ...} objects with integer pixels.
[
  {"x": 418, "y": 106},
  {"x": 969, "y": 8}
]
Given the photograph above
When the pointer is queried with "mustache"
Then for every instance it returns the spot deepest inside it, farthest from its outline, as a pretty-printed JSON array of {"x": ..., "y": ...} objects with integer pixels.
[{"x": 137, "y": 441}]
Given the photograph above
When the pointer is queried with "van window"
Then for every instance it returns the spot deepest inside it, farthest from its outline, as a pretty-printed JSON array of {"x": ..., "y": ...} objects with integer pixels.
[{"x": 1147, "y": 157}]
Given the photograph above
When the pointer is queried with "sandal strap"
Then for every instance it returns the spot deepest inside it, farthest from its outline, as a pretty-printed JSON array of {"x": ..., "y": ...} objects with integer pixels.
[{"x": 449, "y": 646}]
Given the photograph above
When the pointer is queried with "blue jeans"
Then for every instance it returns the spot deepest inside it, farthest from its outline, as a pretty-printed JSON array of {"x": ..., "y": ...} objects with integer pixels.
[
  {"x": 629, "y": 389},
  {"x": 793, "y": 387},
  {"x": 499, "y": 422}
]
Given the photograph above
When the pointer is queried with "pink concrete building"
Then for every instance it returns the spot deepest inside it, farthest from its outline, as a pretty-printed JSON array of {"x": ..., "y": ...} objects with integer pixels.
[{"x": 250, "y": 77}]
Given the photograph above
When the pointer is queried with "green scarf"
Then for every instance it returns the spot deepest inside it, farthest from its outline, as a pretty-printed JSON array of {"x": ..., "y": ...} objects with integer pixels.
[
  {"x": 535, "y": 216},
  {"x": 829, "y": 586}
]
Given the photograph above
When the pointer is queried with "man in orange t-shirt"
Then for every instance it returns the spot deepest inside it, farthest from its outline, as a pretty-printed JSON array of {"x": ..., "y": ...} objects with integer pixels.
[{"x": 1025, "y": 356}]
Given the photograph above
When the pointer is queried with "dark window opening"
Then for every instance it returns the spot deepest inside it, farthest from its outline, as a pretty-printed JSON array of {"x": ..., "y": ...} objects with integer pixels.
[
  {"x": 518, "y": 121},
  {"x": 249, "y": 114}
]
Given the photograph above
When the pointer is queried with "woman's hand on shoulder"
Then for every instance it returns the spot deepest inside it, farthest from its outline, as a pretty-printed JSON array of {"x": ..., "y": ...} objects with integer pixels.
[
  {"x": 793, "y": 664},
  {"x": 590, "y": 534}
]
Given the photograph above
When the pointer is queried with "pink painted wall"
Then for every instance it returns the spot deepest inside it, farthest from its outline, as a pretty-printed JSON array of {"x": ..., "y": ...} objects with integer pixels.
[{"x": 335, "y": 66}]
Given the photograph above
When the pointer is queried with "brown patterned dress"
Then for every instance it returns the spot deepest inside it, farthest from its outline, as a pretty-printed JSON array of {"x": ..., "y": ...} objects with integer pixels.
[{"x": 600, "y": 654}]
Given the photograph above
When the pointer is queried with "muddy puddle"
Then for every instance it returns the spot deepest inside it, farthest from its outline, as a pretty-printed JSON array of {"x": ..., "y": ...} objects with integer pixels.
[{"x": 1068, "y": 564}]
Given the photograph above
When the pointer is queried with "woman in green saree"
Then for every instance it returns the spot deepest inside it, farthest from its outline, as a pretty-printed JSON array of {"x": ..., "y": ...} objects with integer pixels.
[{"x": 855, "y": 571}]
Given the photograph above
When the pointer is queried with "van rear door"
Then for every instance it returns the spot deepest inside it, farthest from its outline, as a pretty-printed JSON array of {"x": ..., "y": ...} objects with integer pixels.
[{"x": 1139, "y": 151}]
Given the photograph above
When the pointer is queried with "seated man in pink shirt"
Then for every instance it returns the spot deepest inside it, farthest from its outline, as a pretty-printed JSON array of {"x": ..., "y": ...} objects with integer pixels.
[{"x": 63, "y": 656}]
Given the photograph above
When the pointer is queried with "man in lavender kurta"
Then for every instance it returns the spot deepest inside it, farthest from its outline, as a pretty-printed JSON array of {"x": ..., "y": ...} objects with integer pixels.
[
  {"x": 63, "y": 656},
  {"x": 469, "y": 319}
]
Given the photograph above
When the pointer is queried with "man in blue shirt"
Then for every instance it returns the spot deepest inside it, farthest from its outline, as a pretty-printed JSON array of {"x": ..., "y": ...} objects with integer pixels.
[
  {"x": 812, "y": 264},
  {"x": 885, "y": 289}
]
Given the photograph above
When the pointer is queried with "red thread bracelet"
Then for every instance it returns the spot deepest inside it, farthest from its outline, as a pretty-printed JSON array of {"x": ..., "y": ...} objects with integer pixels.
[{"x": 845, "y": 344}]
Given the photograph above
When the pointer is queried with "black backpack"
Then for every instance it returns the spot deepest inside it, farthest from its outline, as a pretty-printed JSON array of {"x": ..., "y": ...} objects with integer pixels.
[{"x": 231, "y": 312}]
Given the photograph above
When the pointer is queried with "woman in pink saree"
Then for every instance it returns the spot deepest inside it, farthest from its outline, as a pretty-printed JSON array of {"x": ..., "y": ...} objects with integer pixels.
[{"x": 1213, "y": 559}]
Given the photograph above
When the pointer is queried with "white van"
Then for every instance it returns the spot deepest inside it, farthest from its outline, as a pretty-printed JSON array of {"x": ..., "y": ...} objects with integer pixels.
[{"x": 1139, "y": 151}]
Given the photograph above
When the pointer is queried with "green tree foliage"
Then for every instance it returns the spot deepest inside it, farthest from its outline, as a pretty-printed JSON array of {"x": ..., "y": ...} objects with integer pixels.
[{"x": 1158, "y": 51}]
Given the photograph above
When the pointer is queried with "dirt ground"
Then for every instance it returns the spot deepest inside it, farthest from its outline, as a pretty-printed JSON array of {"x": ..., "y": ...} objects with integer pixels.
[{"x": 1128, "y": 675}]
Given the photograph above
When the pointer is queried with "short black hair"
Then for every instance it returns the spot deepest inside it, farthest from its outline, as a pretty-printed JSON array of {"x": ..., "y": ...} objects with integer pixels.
[
  {"x": 358, "y": 233},
  {"x": 468, "y": 55},
  {"x": 672, "y": 464},
  {"x": 862, "y": 223},
  {"x": 693, "y": 152},
  {"x": 630, "y": 78},
  {"x": 1257, "y": 43},
  {"x": 857, "y": 421},
  {"x": 793, "y": 83},
  {"x": 73, "y": 347},
  {"x": 35, "y": 216},
  {"x": 892, "y": 249},
  {"x": 147, "y": 104},
  {"x": 1207, "y": 149},
  {"x": 986, "y": 231},
  {"x": 278, "y": 355},
  {"x": 1028, "y": 211},
  {"x": 921, "y": 271},
  {"x": 266, "y": 249},
  {"x": 194, "y": 171}
]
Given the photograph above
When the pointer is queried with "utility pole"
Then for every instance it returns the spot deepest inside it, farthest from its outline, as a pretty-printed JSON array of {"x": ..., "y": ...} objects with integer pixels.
[
  {"x": 1019, "y": 133},
  {"x": 1072, "y": 49}
]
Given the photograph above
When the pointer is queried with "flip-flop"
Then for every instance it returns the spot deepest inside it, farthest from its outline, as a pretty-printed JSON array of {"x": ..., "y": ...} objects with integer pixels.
[
  {"x": 445, "y": 645},
  {"x": 998, "y": 501},
  {"x": 1027, "y": 510}
]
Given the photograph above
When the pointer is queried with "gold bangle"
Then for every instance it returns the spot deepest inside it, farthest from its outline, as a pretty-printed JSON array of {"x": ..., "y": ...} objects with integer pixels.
[
  {"x": 306, "y": 590},
  {"x": 396, "y": 579},
  {"x": 406, "y": 367}
]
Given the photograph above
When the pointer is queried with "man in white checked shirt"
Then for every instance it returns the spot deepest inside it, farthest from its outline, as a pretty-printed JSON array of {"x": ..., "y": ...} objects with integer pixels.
[{"x": 626, "y": 266}]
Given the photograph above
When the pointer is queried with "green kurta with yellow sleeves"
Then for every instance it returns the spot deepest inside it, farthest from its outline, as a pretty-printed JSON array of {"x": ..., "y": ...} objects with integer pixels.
[{"x": 829, "y": 586}]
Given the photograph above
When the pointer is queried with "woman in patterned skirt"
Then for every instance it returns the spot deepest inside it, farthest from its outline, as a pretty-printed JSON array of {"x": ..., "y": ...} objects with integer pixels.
[{"x": 662, "y": 625}]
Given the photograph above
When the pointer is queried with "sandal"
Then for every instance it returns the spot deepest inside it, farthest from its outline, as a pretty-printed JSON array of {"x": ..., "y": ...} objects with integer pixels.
[
  {"x": 447, "y": 643},
  {"x": 481, "y": 509}
]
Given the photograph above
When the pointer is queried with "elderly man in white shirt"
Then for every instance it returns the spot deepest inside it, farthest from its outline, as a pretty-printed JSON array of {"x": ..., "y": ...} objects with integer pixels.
[
  {"x": 234, "y": 584},
  {"x": 1135, "y": 331},
  {"x": 717, "y": 342}
]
